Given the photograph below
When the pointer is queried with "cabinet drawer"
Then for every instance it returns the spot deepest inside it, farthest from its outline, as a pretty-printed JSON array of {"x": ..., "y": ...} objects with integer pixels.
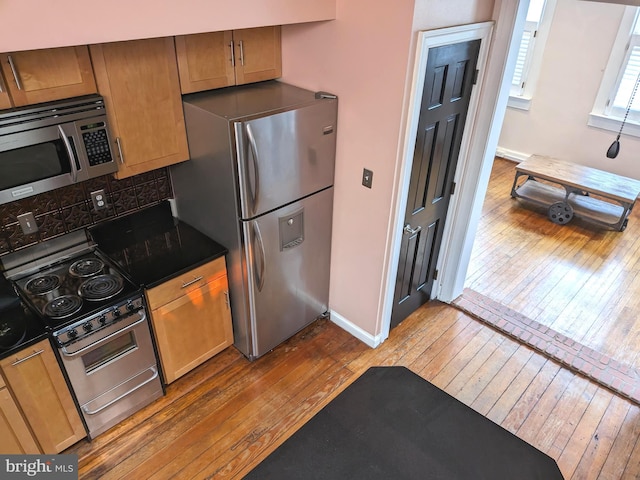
[{"x": 192, "y": 280}]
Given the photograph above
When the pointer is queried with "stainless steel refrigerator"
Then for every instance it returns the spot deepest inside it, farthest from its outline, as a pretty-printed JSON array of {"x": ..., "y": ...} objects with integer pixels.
[{"x": 260, "y": 181}]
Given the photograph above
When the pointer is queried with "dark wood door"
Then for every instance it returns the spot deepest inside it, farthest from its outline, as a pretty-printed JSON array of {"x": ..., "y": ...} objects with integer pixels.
[{"x": 449, "y": 78}]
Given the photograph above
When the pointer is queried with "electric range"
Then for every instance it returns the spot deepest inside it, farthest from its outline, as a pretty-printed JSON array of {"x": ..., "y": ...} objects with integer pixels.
[{"x": 98, "y": 321}]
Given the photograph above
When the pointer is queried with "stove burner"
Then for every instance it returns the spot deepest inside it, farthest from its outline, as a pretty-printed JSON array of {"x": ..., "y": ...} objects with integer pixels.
[
  {"x": 101, "y": 287},
  {"x": 63, "y": 306},
  {"x": 43, "y": 285},
  {"x": 86, "y": 267}
]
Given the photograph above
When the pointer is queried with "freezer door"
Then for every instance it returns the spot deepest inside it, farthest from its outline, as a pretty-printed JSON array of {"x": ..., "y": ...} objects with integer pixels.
[
  {"x": 288, "y": 256},
  {"x": 285, "y": 156}
]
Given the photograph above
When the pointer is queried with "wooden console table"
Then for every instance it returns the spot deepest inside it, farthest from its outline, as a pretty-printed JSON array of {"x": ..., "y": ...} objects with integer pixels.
[{"x": 568, "y": 190}]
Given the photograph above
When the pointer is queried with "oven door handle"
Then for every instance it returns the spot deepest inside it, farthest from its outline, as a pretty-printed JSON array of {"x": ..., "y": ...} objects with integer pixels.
[
  {"x": 142, "y": 318},
  {"x": 120, "y": 397}
]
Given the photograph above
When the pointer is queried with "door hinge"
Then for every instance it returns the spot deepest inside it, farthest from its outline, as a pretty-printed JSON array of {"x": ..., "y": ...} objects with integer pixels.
[
  {"x": 435, "y": 274},
  {"x": 453, "y": 188},
  {"x": 475, "y": 76}
]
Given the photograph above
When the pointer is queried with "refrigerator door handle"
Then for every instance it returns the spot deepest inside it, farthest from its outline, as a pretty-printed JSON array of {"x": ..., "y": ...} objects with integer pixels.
[
  {"x": 255, "y": 191},
  {"x": 258, "y": 266}
]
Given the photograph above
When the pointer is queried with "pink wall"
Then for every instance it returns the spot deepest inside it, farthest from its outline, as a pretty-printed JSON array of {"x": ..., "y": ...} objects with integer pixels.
[
  {"x": 366, "y": 56},
  {"x": 33, "y": 24}
]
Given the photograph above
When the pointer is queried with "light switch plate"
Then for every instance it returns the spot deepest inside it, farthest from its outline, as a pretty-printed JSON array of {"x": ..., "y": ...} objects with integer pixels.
[
  {"x": 367, "y": 178},
  {"x": 28, "y": 223}
]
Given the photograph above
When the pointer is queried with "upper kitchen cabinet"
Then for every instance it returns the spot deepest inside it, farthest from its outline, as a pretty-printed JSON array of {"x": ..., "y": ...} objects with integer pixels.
[
  {"x": 219, "y": 59},
  {"x": 139, "y": 82},
  {"x": 44, "y": 75}
]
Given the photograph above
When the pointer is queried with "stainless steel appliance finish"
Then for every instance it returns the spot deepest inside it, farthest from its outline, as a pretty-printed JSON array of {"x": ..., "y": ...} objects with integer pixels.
[
  {"x": 97, "y": 320},
  {"x": 51, "y": 145},
  {"x": 260, "y": 182},
  {"x": 111, "y": 364}
]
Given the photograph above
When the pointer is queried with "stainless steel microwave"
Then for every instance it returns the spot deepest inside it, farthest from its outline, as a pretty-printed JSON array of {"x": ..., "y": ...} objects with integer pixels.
[{"x": 51, "y": 145}]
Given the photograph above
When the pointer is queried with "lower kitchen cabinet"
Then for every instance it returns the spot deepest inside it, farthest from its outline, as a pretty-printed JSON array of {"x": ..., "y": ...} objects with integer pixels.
[
  {"x": 191, "y": 318},
  {"x": 36, "y": 381},
  {"x": 15, "y": 436}
]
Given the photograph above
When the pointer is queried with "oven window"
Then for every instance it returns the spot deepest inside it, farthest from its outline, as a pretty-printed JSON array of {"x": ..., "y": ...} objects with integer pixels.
[
  {"x": 109, "y": 351},
  {"x": 25, "y": 165}
]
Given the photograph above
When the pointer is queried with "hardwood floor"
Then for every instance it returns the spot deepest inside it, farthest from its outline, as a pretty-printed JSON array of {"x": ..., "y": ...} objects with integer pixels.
[
  {"x": 225, "y": 416},
  {"x": 577, "y": 279}
]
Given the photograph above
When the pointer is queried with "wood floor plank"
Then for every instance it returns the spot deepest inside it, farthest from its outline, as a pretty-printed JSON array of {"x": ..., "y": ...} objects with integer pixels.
[
  {"x": 624, "y": 443},
  {"x": 475, "y": 377},
  {"x": 486, "y": 399},
  {"x": 587, "y": 427},
  {"x": 518, "y": 385},
  {"x": 597, "y": 452},
  {"x": 532, "y": 425},
  {"x": 531, "y": 396}
]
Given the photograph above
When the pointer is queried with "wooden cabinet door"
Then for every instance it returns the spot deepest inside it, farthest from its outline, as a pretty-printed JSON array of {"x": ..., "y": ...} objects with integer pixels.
[
  {"x": 139, "y": 82},
  {"x": 37, "y": 383},
  {"x": 35, "y": 76},
  {"x": 15, "y": 437},
  {"x": 205, "y": 61},
  {"x": 258, "y": 54},
  {"x": 5, "y": 100},
  {"x": 193, "y": 328}
]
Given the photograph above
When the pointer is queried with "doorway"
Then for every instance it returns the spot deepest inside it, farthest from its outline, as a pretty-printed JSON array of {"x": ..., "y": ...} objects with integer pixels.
[{"x": 450, "y": 75}]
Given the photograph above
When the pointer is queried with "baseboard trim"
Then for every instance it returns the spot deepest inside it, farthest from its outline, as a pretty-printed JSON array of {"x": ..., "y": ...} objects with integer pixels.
[
  {"x": 511, "y": 154},
  {"x": 365, "y": 337}
]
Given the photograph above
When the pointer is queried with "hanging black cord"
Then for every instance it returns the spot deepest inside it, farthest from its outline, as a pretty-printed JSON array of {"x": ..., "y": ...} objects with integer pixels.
[{"x": 615, "y": 146}]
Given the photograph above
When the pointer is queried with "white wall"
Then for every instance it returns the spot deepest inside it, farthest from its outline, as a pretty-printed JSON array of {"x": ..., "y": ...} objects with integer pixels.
[{"x": 576, "y": 53}]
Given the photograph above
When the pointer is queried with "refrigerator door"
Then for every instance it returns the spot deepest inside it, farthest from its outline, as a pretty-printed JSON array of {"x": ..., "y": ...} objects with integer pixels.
[
  {"x": 285, "y": 156},
  {"x": 287, "y": 256}
]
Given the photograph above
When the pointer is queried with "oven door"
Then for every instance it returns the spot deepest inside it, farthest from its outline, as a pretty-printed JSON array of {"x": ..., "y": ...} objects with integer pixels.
[
  {"x": 106, "y": 359},
  {"x": 37, "y": 161}
]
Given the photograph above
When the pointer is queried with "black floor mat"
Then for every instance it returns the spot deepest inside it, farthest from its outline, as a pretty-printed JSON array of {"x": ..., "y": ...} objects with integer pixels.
[{"x": 392, "y": 424}]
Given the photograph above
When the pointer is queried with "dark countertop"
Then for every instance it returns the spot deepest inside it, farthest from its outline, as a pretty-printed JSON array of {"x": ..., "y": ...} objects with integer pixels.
[
  {"x": 19, "y": 327},
  {"x": 151, "y": 246}
]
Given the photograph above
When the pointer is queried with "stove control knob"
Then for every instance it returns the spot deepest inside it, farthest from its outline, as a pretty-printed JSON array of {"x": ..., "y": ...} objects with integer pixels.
[
  {"x": 131, "y": 307},
  {"x": 72, "y": 333},
  {"x": 87, "y": 327},
  {"x": 116, "y": 312},
  {"x": 102, "y": 319}
]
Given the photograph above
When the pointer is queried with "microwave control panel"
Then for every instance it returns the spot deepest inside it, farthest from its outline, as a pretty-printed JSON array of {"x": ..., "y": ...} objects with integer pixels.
[{"x": 96, "y": 144}]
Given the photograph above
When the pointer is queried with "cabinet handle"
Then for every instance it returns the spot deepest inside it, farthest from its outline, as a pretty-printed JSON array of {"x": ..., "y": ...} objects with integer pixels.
[
  {"x": 241, "y": 43},
  {"x": 14, "y": 70},
  {"x": 34, "y": 354},
  {"x": 3, "y": 88},
  {"x": 226, "y": 297},
  {"x": 233, "y": 54},
  {"x": 195, "y": 280},
  {"x": 119, "y": 150}
]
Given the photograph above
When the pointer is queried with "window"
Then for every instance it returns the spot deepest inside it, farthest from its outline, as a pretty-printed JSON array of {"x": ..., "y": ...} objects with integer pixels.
[
  {"x": 530, "y": 52},
  {"x": 619, "y": 80}
]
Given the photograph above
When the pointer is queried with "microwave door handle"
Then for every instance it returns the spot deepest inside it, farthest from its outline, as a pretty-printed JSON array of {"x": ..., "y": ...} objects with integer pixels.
[{"x": 74, "y": 160}]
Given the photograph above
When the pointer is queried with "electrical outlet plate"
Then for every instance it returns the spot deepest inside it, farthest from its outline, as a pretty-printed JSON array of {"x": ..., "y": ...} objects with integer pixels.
[
  {"x": 28, "y": 223},
  {"x": 99, "y": 199},
  {"x": 367, "y": 178}
]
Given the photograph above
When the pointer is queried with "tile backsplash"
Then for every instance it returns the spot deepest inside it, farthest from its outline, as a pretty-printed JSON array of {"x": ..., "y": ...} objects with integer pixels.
[{"x": 70, "y": 208}]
